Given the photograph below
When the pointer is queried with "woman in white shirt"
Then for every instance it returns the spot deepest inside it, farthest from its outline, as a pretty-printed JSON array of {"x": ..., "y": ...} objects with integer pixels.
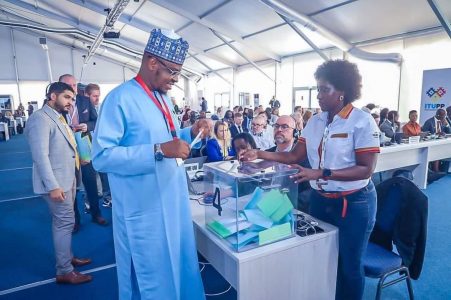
[{"x": 342, "y": 144}]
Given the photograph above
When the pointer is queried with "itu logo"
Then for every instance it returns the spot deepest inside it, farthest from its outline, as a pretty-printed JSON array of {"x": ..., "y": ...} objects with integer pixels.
[{"x": 436, "y": 94}]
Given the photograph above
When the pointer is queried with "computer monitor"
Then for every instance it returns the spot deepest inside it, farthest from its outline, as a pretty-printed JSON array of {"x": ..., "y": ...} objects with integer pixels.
[{"x": 398, "y": 137}]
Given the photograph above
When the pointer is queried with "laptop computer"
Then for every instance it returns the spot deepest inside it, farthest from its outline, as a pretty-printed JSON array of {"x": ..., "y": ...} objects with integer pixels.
[
  {"x": 191, "y": 189},
  {"x": 192, "y": 166},
  {"x": 196, "y": 160}
]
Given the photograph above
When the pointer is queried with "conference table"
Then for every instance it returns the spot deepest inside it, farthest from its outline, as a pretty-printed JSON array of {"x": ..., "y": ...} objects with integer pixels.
[
  {"x": 294, "y": 268},
  {"x": 13, "y": 123},
  {"x": 416, "y": 156},
  {"x": 4, "y": 128},
  {"x": 21, "y": 121}
]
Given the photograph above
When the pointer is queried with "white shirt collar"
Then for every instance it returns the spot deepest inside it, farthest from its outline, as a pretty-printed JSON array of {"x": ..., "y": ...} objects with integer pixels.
[{"x": 288, "y": 149}]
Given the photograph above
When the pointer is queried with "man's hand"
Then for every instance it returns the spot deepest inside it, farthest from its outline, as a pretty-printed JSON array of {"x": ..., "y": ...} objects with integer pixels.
[
  {"x": 176, "y": 149},
  {"x": 83, "y": 127},
  {"x": 84, "y": 162},
  {"x": 57, "y": 195}
]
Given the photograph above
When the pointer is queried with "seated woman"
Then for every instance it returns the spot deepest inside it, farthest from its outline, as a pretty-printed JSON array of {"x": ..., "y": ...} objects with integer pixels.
[
  {"x": 243, "y": 141},
  {"x": 297, "y": 116},
  {"x": 307, "y": 115},
  {"x": 193, "y": 116},
  {"x": 219, "y": 148},
  {"x": 412, "y": 128}
]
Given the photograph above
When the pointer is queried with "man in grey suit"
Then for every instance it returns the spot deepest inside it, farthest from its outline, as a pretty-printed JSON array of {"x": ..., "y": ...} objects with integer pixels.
[{"x": 55, "y": 163}]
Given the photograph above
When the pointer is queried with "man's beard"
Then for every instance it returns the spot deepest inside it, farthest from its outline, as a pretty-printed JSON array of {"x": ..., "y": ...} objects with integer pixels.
[{"x": 279, "y": 139}]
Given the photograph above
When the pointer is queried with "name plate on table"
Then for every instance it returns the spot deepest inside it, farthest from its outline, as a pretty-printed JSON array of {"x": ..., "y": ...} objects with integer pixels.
[{"x": 414, "y": 139}]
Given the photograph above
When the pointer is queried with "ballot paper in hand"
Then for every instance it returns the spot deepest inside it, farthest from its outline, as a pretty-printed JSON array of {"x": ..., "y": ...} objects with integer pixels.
[{"x": 83, "y": 146}]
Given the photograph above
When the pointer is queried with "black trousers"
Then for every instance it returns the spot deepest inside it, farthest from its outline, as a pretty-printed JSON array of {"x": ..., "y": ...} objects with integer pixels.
[
  {"x": 88, "y": 177},
  {"x": 105, "y": 184}
]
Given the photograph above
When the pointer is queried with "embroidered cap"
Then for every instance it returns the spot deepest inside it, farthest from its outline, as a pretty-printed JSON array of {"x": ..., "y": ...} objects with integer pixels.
[{"x": 167, "y": 45}]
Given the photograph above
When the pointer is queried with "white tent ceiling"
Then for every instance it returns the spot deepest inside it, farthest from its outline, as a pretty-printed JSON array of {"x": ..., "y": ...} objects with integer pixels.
[{"x": 251, "y": 26}]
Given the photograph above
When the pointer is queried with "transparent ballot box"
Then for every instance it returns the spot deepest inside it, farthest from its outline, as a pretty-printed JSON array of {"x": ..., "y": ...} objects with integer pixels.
[{"x": 251, "y": 204}]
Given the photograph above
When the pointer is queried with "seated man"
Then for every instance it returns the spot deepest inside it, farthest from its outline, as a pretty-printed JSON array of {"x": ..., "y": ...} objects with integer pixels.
[
  {"x": 3, "y": 119},
  {"x": 437, "y": 124},
  {"x": 237, "y": 126},
  {"x": 412, "y": 128},
  {"x": 188, "y": 134},
  {"x": 284, "y": 137},
  {"x": 263, "y": 141},
  {"x": 391, "y": 124},
  {"x": 284, "y": 134}
]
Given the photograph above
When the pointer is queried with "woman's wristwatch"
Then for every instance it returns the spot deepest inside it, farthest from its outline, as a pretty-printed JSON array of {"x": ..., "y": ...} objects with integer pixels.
[{"x": 326, "y": 173}]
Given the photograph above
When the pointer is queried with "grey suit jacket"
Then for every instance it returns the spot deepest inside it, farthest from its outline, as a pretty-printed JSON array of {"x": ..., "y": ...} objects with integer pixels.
[{"x": 52, "y": 152}]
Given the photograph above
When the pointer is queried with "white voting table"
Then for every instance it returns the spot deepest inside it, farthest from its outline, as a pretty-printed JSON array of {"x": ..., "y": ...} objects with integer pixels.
[
  {"x": 418, "y": 154},
  {"x": 14, "y": 125},
  {"x": 295, "y": 268},
  {"x": 20, "y": 120},
  {"x": 4, "y": 128}
]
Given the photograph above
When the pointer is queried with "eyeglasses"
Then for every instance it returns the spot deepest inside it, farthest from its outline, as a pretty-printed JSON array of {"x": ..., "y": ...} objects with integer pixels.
[
  {"x": 172, "y": 73},
  {"x": 281, "y": 127},
  {"x": 257, "y": 125}
]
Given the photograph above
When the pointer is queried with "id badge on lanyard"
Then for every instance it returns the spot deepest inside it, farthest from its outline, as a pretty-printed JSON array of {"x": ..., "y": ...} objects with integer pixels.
[
  {"x": 71, "y": 116},
  {"x": 320, "y": 182}
]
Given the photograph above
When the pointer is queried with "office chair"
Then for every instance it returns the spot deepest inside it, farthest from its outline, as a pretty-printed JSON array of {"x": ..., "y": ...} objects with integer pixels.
[{"x": 380, "y": 262}]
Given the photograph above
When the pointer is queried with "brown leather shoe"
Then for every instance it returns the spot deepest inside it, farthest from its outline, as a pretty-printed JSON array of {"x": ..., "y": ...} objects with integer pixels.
[
  {"x": 99, "y": 220},
  {"x": 78, "y": 262},
  {"x": 73, "y": 277}
]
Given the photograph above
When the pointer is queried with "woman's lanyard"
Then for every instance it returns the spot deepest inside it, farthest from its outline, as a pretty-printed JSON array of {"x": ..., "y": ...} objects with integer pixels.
[
  {"x": 224, "y": 150},
  {"x": 323, "y": 146},
  {"x": 165, "y": 111}
]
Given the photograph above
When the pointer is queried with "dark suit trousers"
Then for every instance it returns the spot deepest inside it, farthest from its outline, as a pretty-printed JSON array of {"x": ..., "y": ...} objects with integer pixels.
[
  {"x": 88, "y": 176},
  {"x": 105, "y": 184}
]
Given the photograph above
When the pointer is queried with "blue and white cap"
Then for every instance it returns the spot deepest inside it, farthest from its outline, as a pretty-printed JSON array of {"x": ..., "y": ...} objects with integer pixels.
[{"x": 167, "y": 45}]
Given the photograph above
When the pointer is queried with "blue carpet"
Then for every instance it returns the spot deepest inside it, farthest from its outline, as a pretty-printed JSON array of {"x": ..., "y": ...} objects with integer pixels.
[
  {"x": 103, "y": 286},
  {"x": 26, "y": 229},
  {"x": 16, "y": 143},
  {"x": 16, "y": 184},
  {"x": 13, "y": 160}
]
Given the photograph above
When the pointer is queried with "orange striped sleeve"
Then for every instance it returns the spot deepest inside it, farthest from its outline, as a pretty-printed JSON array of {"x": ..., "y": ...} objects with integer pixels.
[{"x": 368, "y": 150}]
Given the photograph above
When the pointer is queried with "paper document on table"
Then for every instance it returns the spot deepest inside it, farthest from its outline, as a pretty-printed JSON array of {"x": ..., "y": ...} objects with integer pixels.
[
  {"x": 274, "y": 233},
  {"x": 256, "y": 197},
  {"x": 283, "y": 209},
  {"x": 270, "y": 202},
  {"x": 242, "y": 239},
  {"x": 241, "y": 226},
  {"x": 219, "y": 229},
  {"x": 256, "y": 217}
]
